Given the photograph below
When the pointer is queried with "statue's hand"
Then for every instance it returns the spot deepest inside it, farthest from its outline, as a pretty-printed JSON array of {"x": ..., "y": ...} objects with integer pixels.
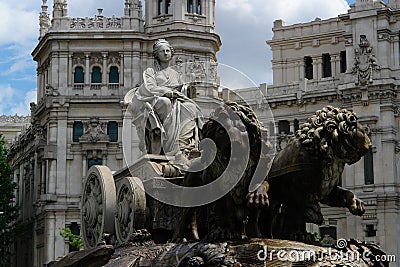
[
  {"x": 356, "y": 206},
  {"x": 169, "y": 94},
  {"x": 259, "y": 197}
]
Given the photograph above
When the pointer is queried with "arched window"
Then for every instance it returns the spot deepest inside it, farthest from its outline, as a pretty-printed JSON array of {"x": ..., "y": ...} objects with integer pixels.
[
  {"x": 112, "y": 131},
  {"x": 79, "y": 75},
  {"x": 113, "y": 76},
  {"x": 96, "y": 74},
  {"x": 77, "y": 131}
]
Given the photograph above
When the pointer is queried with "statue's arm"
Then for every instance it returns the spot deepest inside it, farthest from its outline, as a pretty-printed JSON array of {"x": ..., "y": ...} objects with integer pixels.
[{"x": 150, "y": 82}]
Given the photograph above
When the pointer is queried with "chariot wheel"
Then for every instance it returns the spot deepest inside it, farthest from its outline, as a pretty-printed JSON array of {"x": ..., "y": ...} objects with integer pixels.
[
  {"x": 98, "y": 206},
  {"x": 131, "y": 208}
]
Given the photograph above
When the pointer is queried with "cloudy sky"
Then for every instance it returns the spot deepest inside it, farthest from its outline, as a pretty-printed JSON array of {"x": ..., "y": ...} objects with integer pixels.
[{"x": 244, "y": 27}]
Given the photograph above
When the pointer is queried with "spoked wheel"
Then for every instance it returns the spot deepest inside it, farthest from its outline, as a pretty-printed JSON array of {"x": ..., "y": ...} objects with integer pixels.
[
  {"x": 98, "y": 206},
  {"x": 131, "y": 208}
]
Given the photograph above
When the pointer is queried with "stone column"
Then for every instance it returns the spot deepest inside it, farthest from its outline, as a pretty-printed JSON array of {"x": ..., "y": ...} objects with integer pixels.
[
  {"x": 70, "y": 71},
  {"x": 121, "y": 69},
  {"x": 316, "y": 68},
  {"x": 396, "y": 56},
  {"x": 389, "y": 141},
  {"x": 84, "y": 165},
  {"x": 43, "y": 178},
  {"x": 104, "y": 159},
  {"x": 105, "y": 71},
  {"x": 52, "y": 174},
  {"x": 335, "y": 65},
  {"x": 61, "y": 161},
  {"x": 301, "y": 69},
  {"x": 59, "y": 242},
  {"x": 49, "y": 243},
  {"x": 87, "y": 69}
]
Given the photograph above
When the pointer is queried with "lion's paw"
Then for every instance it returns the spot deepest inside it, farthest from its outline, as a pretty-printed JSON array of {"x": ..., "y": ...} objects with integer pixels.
[
  {"x": 259, "y": 197},
  {"x": 357, "y": 206}
]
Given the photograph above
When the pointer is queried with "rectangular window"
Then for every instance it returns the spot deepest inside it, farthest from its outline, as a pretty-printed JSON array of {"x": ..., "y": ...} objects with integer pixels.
[
  {"x": 329, "y": 230},
  {"x": 369, "y": 168},
  {"x": 343, "y": 63},
  {"x": 75, "y": 229},
  {"x": 326, "y": 66},
  {"x": 77, "y": 131},
  {"x": 198, "y": 7},
  {"x": 190, "y": 6},
  {"x": 283, "y": 127},
  {"x": 296, "y": 125},
  {"x": 160, "y": 7},
  {"x": 194, "y": 6},
  {"x": 370, "y": 230},
  {"x": 112, "y": 131},
  {"x": 168, "y": 7},
  {"x": 308, "y": 68}
]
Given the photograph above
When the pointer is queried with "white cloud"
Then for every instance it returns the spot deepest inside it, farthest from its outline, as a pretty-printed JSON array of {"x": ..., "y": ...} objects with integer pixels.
[
  {"x": 6, "y": 98},
  {"x": 23, "y": 108},
  {"x": 245, "y": 26},
  {"x": 19, "y": 25}
]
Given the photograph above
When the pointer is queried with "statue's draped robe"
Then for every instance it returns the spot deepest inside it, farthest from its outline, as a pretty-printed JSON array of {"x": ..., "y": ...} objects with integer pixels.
[{"x": 179, "y": 128}]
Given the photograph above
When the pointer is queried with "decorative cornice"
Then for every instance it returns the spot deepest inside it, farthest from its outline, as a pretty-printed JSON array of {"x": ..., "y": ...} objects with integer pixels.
[{"x": 15, "y": 119}]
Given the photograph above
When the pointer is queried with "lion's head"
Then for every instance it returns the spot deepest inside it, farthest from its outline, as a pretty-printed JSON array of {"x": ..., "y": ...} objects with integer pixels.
[{"x": 338, "y": 129}]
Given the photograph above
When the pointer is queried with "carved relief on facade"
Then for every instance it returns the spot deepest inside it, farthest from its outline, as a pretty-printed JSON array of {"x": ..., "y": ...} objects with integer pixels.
[
  {"x": 98, "y": 22},
  {"x": 197, "y": 71},
  {"x": 40, "y": 132},
  {"x": 51, "y": 91},
  {"x": 365, "y": 63},
  {"x": 78, "y": 23},
  {"x": 114, "y": 60},
  {"x": 78, "y": 59},
  {"x": 95, "y": 59},
  {"x": 94, "y": 131}
]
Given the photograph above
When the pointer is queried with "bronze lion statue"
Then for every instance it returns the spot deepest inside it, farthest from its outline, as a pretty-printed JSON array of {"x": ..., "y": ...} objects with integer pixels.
[
  {"x": 235, "y": 214},
  {"x": 308, "y": 171}
]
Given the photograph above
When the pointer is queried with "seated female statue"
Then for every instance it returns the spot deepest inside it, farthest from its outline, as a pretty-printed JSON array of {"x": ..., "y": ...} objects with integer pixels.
[{"x": 167, "y": 120}]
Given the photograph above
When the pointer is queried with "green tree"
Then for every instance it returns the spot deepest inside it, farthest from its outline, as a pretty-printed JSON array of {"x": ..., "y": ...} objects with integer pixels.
[
  {"x": 74, "y": 240},
  {"x": 8, "y": 209}
]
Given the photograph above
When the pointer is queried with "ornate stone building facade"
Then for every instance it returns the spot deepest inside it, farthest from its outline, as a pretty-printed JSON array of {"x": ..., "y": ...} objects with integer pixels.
[
  {"x": 11, "y": 126},
  {"x": 85, "y": 66},
  {"x": 352, "y": 61}
]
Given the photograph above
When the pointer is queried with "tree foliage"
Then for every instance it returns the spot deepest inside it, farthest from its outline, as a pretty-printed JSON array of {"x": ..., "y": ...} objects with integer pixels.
[
  {"x": 74, "y": 240},
  {"x": 8, "y": 209}
]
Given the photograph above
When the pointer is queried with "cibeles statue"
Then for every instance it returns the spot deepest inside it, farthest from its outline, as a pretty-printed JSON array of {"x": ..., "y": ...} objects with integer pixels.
[{"x": 166, "y": 119}]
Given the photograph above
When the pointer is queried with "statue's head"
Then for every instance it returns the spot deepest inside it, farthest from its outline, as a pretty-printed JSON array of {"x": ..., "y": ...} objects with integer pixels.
[
  {"x": 338, "y": 129},
  {"x": 160, "y": 48}
]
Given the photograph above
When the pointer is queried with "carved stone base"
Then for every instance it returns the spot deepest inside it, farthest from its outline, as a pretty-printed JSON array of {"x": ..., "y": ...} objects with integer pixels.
[{"x": 253, "y": 252}]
